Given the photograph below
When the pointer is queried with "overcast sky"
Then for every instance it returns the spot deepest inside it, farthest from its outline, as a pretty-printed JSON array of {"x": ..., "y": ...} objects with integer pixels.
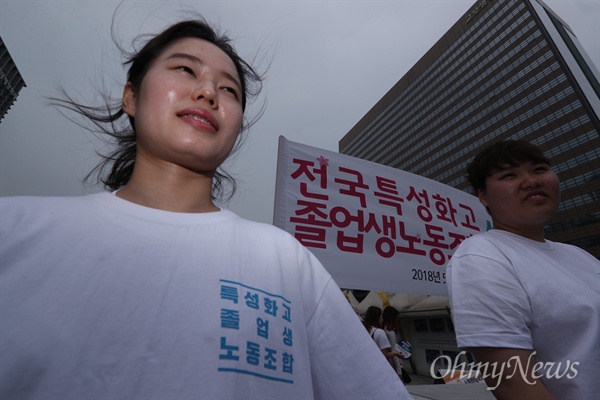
[{"x": 330, "y": 62}]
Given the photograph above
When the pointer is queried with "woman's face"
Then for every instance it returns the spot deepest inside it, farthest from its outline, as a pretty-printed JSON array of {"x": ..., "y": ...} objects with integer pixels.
[
  {"x": 188, "y": 109},
  {"x": 521, "y": 198}
]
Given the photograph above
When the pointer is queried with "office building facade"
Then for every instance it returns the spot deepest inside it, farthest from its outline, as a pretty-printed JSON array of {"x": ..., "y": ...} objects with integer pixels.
[
  {"x": 11, "y": 81},
  {"x": 507, "y": 69}
]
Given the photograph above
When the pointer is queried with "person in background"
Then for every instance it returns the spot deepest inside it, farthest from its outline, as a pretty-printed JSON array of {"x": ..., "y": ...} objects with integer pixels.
[
  {"x": 390, "y": 326},
  {"x": 152, "y": 289},
  {"x": 373, "y": 322},
  {"x": 530, "y": 305}
]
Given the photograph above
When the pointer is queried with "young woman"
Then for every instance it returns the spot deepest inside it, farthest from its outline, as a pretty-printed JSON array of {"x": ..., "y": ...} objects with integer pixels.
[
  {"x": 153, "y": 291},
  {"x": 527, "y": 306},
  {"x": 390, "y": 327},
  {"x": 373, "y": 321}
]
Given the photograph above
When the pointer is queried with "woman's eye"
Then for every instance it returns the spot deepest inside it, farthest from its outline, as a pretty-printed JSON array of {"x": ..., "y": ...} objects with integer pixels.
[
  {"x": 231, "y": 90},
  {"x": 506, "y": 176},
  {"x": 186, "y": 69}
]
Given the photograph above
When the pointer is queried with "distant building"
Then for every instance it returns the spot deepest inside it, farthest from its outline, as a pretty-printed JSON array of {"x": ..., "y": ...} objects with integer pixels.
[
  {"x": 11, "y": 81},
  {"x": 506, "y": 69}
]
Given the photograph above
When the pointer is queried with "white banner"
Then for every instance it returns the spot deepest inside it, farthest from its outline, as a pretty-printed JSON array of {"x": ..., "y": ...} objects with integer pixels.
[{"x": 373, "y": 227}]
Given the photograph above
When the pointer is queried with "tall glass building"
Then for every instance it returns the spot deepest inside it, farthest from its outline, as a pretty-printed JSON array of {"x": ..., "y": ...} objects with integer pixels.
[
  {"x": 11, "y": 81},
  {"x": 506, "y": 69}
]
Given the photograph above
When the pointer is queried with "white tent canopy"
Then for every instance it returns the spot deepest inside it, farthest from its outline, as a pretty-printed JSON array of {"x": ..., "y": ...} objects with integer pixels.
[
  {"x": 372, "y": 299},
  {"x": 401, "y": 301},
  {"x": 429, "y": 303}
]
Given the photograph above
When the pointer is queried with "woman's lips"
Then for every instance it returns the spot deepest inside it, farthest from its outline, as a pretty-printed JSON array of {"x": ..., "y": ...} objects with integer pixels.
[
  {"x": 536, "y": 196},
  {"x": 199, "y": 118}
]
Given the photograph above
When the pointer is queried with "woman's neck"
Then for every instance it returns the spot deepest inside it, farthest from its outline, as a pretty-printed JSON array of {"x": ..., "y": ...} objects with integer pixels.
[
  {"x": 169, "y": 189},
  {"x": 534, "y": 233}
]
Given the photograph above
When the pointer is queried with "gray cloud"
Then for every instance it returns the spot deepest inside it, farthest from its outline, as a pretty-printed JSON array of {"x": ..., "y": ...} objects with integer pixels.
[{"x": 330, "y": 62}]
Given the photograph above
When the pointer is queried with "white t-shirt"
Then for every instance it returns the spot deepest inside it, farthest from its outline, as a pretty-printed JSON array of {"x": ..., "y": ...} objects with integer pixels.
[
  {"x": 380, "y": 338},
  {"x": 391, "y": 336},
  {"x": 105, "y": 299},
  {"x": 511, "y": 292},
  {"x": 393, "y": 339}
]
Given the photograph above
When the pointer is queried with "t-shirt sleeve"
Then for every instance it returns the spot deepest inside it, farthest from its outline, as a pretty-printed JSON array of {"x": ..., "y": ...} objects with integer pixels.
[
  {"x": 381, "y": 339},
  {"x": 345, "y": 361},
  {"x": 489, "y": 306}
]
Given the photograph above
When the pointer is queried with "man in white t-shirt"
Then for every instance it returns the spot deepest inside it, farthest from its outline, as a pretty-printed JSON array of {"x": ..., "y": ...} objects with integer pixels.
[{"x": 526, "y": 306}]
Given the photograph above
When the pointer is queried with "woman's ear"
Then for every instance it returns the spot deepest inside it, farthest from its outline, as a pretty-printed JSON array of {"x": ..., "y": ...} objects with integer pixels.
[
  {"x": 129, "y": 100},
  {"x": 482, "y": 197}
]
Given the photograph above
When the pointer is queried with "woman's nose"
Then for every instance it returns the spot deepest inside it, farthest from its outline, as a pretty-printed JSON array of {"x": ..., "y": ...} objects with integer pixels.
[
  {"x": 531, "y": 181},
  {"x": 208, "y": 94}
]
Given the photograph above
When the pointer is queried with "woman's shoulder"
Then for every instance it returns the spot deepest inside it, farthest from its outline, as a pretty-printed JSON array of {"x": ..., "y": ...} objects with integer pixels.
[
  {"x": 282, "y": 242},
  {"x": 19, "y": 211},
  {"x": 375, "y": 331},
  {"x": 482, "y": 244},
  {"x": 33, "y": 204},
  {"x": 265, "y": 230}
]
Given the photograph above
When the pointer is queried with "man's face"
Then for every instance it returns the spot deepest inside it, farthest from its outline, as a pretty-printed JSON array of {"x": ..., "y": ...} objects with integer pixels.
[{"x": 522, "y": 198}]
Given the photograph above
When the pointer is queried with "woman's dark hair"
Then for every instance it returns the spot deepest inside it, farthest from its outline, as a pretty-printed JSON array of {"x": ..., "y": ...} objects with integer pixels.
[
  {"x": 110, "y": 118},
  {"x": 372, "y": 318},
  {"x": 390, "y": 315},
  {"x": 499, "y": 154}
]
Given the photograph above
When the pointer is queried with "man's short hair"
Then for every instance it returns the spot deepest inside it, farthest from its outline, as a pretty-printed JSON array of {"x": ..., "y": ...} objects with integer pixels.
[{"x": 500, "y": 154}]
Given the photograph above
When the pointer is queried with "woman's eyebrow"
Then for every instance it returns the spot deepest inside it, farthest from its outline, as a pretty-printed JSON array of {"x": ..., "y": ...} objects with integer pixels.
[
  {"x": 502, "y": 168},
  {"x": 198, "y": 61}
]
